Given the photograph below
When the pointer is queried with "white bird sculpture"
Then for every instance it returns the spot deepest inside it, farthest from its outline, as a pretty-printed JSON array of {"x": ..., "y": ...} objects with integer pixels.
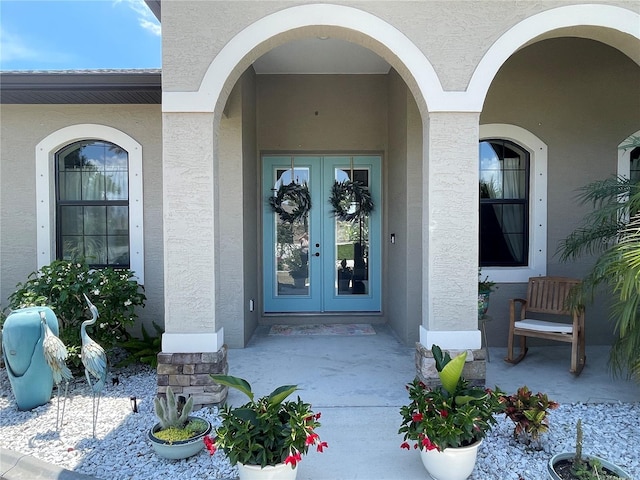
[
  {"x": 55, "y": 354},
  {"x": 94, "y": 360}
]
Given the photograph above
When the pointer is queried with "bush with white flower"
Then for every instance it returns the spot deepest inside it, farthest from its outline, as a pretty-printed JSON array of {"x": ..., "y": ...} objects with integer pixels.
[{"x": 61, "y": 286}]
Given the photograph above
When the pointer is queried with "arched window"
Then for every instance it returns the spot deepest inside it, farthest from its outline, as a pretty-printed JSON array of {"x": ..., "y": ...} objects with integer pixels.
[
  {"x": 89, "y": 196},
  {"x": 513, "y": 203},
  {"x": 92, "y": 203},
  {"x": 504, "y": 204}
]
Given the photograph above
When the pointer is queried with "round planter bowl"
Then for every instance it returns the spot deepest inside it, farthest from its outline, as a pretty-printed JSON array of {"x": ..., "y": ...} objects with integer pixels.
[
  {"x": 181, "y": 449},
  {"x": 568, "y": 456},
  {"x": 451, "y": 463},
  {"x": 281, "y": 471}
]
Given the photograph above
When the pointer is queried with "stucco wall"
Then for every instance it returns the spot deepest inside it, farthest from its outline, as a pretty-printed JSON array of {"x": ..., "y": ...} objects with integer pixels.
[
  {"x": 251, "y": 203},
  {"x": 237, "y": 187},
  {"x": 320, "y": 112},
  {"x": 22, "y": 128},
  {"x": 582, "y": 99},
  {"x": 194, "y": 32}
]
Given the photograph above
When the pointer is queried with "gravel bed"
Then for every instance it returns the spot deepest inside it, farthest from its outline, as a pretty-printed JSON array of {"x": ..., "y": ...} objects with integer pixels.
[
  {"x": 122, "y": 451},
  {"x": 610, "y": 431}
]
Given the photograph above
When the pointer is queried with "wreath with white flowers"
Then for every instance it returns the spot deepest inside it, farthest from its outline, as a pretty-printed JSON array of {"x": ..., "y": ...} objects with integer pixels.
[
  {"x": 292, "y": 202},
  {"x": 350, "y": 200}
]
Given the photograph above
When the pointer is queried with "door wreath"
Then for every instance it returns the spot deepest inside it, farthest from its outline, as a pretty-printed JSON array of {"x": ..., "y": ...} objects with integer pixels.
[
  {"x": 350, "y": 200},
  {"x": 292, "y": 202}
]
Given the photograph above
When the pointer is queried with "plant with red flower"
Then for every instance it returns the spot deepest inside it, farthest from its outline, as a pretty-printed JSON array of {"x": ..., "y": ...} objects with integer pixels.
[
  {"x": 453, "y": 414},
  {"x": 267, "y": 430}
]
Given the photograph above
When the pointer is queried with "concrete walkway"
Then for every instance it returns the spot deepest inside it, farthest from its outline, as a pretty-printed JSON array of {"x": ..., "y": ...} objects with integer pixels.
[{"x": 358, "y": 383}]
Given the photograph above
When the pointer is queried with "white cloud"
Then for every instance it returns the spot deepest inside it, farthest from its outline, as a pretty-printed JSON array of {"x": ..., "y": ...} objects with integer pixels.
[
  {"x": 15, "y": 49},
  {"x": 12, "y": 47},
  {"x": 146, "y": 18}
]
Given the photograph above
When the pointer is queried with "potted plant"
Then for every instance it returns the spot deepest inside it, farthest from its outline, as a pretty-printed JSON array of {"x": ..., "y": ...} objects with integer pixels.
[
  {"x": 530, "y": 414},
  {"x": 575, "y": 466},
  {"x": 485, "y": 287},
  {"x": 265, "y": 437},
  {"x": 344, "y": 276},
  {"x": 177, "y": 435},
  {"x": 449, "y": 421},
  {"x": 298, "y": 266}
]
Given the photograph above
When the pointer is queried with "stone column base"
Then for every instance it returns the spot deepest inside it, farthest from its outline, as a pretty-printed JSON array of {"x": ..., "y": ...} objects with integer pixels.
[
  {"x": 188, "y": 374},
  {"x": 475, "y": 367}
]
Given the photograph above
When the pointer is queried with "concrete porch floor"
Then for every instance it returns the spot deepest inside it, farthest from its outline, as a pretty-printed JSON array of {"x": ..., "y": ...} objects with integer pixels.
[{"x": 357, "y": 382}]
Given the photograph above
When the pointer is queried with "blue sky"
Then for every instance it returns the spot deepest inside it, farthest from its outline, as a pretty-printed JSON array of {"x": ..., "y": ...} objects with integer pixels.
[{"x": 78, "y": 34}]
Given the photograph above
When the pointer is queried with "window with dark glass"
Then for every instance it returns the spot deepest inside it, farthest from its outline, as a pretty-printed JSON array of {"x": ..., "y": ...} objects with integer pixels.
[
  {"x": 634, "y": 165},
  {"x": 92, "y": 204},
  {"x": 504, "y": 204}
]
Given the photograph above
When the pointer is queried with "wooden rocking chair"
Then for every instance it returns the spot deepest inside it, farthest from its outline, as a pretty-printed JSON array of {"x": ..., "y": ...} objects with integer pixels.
[{"x": 548, "y": 296}]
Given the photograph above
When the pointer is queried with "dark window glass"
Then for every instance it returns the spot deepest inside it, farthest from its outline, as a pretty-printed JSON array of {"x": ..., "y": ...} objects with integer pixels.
[
  {"x": 92, "y": 204},
  {"x": 634, "y": 173},
  {"x": 504, "y": 204}
]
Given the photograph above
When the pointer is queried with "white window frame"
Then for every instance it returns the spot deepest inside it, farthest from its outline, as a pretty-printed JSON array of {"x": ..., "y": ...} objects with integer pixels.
[
  {"x": 46, "y": 189},
  {"x": 538, "y": 154},
  {"x": 624, "y": 157}
]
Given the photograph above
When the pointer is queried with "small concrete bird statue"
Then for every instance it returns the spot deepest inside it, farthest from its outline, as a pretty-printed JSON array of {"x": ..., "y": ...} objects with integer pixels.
[
  {"x": 55, "y": 354},
  {"x": 94, "y": 360}
]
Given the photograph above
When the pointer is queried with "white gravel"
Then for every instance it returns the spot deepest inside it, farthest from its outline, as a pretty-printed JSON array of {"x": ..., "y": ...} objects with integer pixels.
[
  {"x": 610, "y": 431},
  {"x": 122, "y": 451}
]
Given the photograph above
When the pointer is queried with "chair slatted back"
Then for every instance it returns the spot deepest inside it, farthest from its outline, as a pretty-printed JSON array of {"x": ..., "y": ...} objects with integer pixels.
[{"x": 549, "y": 294}]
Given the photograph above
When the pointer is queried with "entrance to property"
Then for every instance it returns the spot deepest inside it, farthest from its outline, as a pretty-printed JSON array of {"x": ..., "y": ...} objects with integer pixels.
[{"x": 319, "y": 262}]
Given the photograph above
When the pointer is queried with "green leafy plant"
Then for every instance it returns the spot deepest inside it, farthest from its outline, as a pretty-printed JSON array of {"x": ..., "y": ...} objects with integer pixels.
[
  {"x": 144, "y": 350},
  {"x": 61, "y": 286},
  {"x": 267, "y": 430},
  {"x": 580, "y": 468},
  {"x": 453, "y": 414},
  {"x": 175, "y": 424},
  {"x": 298, "y": 263},
  {"x": 530, "y": 414},
  {"x": 485, "y": 286},
  {"x": 171, "y": 412},
  {"x": 611, "y": 232}
]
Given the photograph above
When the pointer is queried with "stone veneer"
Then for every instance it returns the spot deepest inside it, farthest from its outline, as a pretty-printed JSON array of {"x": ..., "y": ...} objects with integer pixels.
[
  {"x": 475, "y": 367},
  {"x": 188, "y": 374}
]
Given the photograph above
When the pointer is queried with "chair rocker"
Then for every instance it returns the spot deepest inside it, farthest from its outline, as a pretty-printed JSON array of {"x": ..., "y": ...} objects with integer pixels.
[{"x": 548, "y": 296}]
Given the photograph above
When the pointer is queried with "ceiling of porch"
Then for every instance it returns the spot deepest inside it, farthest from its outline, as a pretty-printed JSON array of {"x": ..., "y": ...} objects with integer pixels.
[{"x": 322, "y": 55}]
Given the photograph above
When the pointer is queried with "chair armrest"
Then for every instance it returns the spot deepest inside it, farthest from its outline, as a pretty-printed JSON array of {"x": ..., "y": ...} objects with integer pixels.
[{"x": 512, "y": 309}]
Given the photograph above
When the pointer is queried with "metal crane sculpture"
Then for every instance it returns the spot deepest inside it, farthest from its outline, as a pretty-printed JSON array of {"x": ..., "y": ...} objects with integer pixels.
[
  {"x": 55, "y": 354},
  {"x": 94, "y": 360}
]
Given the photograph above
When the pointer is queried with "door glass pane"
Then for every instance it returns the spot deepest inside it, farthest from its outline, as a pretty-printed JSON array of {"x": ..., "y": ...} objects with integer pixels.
[
  {"x": 292, "y": 241},
  {"x": 352, "y": 244}
]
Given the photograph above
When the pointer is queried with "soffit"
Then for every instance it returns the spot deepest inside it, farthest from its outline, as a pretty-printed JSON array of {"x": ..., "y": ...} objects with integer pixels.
[{"x": 81, "y": 87}]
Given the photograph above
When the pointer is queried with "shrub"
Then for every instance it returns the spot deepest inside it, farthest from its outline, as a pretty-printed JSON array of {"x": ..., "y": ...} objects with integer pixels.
[
  {"x": 61, "y": 285},
  {"x": 529, "y": 412}
]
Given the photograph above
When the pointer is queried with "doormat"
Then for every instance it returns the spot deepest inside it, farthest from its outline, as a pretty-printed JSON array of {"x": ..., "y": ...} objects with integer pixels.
[{"x": 330, "y": 329}]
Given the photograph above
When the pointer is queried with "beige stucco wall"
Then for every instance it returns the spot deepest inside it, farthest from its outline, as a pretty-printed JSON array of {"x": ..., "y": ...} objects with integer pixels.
[
  {"x": 320, "y": 112},
  {"x": 194, "y": 32},
  {"x": 22, "y": 127},
  {"x": 237, "y": 258},
  {"x": 582, "y": 98},
  {"x": 251, "y": 204}
]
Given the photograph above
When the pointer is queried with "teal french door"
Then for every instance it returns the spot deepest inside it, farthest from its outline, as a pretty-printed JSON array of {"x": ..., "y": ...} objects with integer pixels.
[{"x": 320, "y": 263}]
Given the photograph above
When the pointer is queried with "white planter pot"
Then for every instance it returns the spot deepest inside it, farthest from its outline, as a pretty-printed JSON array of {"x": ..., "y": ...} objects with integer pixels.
[
  {"x": 451, "y": 463},
  {"x": 282, "y": 471},
  {"x": 569, "y": 456}
]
